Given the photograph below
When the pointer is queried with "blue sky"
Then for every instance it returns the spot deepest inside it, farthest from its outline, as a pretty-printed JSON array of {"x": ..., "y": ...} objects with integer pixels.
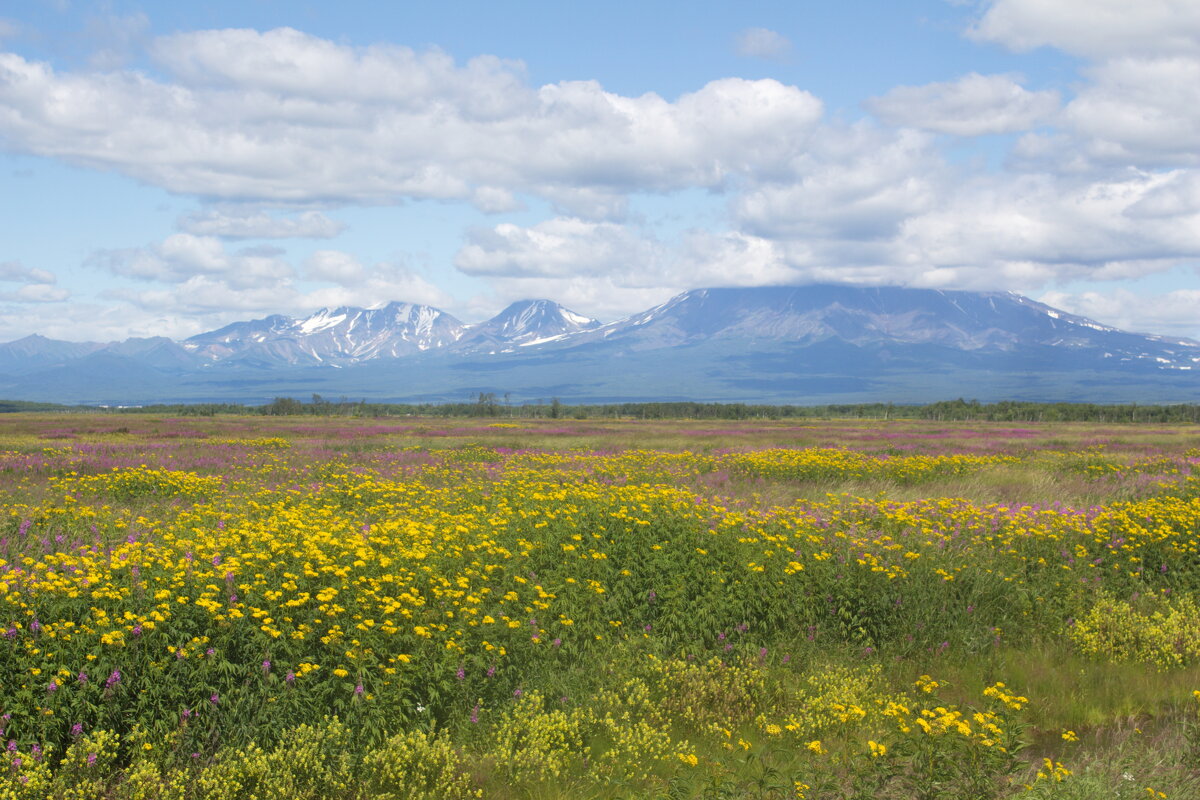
[{"x": 170, "y": 167}]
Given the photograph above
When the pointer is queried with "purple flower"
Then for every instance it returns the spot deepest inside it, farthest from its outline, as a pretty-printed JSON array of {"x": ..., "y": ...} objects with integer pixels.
[
  {"x": 491, "y": 670},
  {"x": 215, "y": 699},
  {"x": 77, "y": 730},
  {"x": 290, "y": 677},
  {"x": 113, "y": 679},
  {"x": 266, "y": 666},
  {"x": 91, "y": 759},
  {"x": 137, "y": 630},
  {"x": 475, "y": 714},
  {"x": 82, "y": 677},
  {"x": 358, "y": 689},
  {"x": 12, "y": 745},
  {"x": 16, "y": 762},
  {"x": 209, "y": 651},
  {"x": 461, "y": 674},
  {"x": 556, "y": 642},
  {"x": 517, "y": 692},
  {"x": 51, "y": 687},
  {"x": 35, "y": 626}
]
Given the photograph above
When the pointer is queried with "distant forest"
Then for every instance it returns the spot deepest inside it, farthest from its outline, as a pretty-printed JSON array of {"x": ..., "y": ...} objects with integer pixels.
[{"x": 488, "y": 405}]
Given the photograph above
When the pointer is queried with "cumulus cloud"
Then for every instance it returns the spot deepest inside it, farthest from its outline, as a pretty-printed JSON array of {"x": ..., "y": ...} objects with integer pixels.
[
  {"x": 973, "y": 105},
  {"x": 196, "y": 286},
  {"x": 182, "y": 257},
  {"x": 559, "y": 247},
  {"x": 1170, "y": 313},
  {"x": 15, "y": 271},
  {"x": 1093, "y": 28},
  {"x": 39, "y": 285},
  {"x": 858, "y": 182},
  {"x": 609, "y": 269},
  {"x": 761, "y": 43},
  {"x": 1144, "y": 111},
  {"x": 335, "y": 266},
  {"x": 235, "y": 223},
  {"x": 37, "y": 293},
  {"x": 1140, "y": 104},
  {"x": 284, "y": 116},
  {"x": 1030, "y": 231}
]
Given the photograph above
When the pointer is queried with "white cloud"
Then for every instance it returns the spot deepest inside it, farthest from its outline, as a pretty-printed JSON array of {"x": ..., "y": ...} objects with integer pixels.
[
  {"x": 1143, "y": 111},
  {"x": 1093, "y": 28},
  {"x": 286, "y": 117},
  {"x": 37, "y": 293},
  {"x": 1170, "y": 313},
  {"x": 235, "y": 223},
  {"x": 973, "y": 105},
  {"x": 335, "y": 266},
  {"x": 39, "y": 285},
  {"x": 182, "y": 257},
  {"x": 17, "y": 272},
  {"x": 761, "y": 43},
  {"x": 610, "y": 270},
  {"x": 857, "y": 182},
  {"x": 494, "y": 200},
  {"x": 203, "y": 302},
  {"x": 561, "y": 247},
  {"x": 8, "y": 28},
  {"x": 1032, "y": 230}
]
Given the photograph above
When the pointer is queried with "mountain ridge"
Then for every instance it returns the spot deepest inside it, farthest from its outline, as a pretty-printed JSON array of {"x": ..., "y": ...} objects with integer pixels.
[{"x": 771, "y": 343}]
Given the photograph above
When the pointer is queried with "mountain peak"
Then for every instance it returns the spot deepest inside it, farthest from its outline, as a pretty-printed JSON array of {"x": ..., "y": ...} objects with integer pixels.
[
  {"x": 780, "y": 343},
  {"x": 528, "y": 322}
]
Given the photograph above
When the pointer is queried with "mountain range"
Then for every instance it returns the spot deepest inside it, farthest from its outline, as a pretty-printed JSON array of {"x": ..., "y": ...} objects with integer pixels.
[{"x": 783, "y": 344}]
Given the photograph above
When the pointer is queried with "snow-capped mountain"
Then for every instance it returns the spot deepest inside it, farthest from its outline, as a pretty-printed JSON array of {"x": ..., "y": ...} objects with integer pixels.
[
  {"x": 526, "y": 323},
  {"x": 784, "y": 344},
  {"x": 1002, "y": 322},
  {"x": 337, "y": 337}
]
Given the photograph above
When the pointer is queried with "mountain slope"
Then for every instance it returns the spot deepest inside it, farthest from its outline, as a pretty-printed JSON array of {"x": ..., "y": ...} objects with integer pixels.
[
  {"x": 526, "y": 323},
  {"x": 969, "y": 321},
  {"x": 335, "y": 337},
  {"x": 771, "y": 344}
]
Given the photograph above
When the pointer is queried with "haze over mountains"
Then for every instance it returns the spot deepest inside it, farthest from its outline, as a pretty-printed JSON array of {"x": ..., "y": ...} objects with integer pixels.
[{"x": 807, "y": 344}]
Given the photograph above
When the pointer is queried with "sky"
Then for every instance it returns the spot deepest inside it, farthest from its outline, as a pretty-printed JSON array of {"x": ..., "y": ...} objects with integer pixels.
[{"x": 167, "y": 168}]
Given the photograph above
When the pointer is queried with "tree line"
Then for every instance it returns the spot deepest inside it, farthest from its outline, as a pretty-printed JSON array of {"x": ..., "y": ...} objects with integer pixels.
[{"x": 489, "y": 405}]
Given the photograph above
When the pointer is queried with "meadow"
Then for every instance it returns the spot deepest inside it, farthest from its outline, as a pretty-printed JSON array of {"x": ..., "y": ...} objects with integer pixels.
[{"x": 291, "y": 607}]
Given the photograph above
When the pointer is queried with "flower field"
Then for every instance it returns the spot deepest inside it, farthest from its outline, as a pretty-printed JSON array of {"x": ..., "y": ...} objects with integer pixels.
[{"x": 345, "y": 608}]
